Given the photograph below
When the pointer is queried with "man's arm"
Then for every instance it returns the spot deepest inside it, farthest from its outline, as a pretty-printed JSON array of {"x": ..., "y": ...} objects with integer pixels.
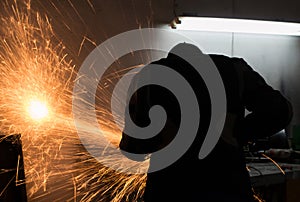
[{"x": 269, "y": 110}]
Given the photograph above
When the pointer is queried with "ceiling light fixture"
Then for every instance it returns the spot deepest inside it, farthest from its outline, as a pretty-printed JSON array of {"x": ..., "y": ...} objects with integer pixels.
[{"x": 236, "y": 25}]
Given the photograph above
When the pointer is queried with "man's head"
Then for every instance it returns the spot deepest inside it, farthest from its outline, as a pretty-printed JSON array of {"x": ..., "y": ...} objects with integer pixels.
[{"x": 184, "y": 47}]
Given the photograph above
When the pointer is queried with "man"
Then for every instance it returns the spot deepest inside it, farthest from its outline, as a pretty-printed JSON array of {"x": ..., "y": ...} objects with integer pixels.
[{"x": 222, "y": 175}]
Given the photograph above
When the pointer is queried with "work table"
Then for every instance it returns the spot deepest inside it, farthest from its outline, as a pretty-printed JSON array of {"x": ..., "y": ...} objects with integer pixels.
[{"x": 274, "y": 183}]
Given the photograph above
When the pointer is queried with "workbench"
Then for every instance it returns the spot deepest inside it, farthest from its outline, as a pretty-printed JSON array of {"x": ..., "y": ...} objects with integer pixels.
[{"x": 276, "y": 184}]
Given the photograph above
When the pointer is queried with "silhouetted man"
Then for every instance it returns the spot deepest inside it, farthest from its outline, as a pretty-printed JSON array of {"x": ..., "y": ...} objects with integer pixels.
[{"x": 222, "y": 175}]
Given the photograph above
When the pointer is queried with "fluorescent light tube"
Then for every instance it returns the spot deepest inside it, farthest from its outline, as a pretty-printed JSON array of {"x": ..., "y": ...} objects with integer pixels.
[{"x": 236, "y": 25}]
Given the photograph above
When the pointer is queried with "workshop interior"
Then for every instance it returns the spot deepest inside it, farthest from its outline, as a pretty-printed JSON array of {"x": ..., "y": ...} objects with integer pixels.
[{"x": 44, "y": 47}]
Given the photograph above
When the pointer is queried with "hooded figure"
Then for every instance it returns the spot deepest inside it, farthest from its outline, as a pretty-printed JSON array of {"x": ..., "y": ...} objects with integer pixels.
[{"x": 221, "y": 175}]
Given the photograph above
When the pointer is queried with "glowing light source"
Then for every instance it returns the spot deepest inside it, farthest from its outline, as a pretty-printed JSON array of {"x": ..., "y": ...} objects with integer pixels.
[
  {"x": 36, "y": 79},
  {"x": 37, "y": 110},
  {"x": 236, "y": 25}
]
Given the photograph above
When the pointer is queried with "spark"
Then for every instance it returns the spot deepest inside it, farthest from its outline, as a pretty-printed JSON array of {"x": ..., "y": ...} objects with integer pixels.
[
  {"x": 36, "y": 78},
  {"x": 257, "y": 196},
  {"x": 275, "y": 163},
  {"x": 37, "y": 110}
]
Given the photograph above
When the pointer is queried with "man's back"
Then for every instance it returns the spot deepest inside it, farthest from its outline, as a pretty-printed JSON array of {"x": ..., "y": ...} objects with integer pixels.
[
  {"x": 223, "y": 171},
  {"x": 222, "y": 175}
]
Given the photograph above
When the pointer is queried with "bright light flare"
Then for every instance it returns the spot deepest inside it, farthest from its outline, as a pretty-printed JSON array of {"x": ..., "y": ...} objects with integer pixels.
[
  {"x": 36, "y": 78},
  {"x": 37, "y": 110},
  {"x": 237, "y": 25}
]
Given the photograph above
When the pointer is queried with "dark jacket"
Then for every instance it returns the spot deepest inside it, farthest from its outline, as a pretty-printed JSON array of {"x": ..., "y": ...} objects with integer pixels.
[{"x": 222, "y": 175}]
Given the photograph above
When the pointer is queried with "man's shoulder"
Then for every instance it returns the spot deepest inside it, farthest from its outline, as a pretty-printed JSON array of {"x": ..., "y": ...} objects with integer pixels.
[
  {"x": 220, "y": 57},
  {"x": 221, "y": 60},
  {"x": 224, "y": 57}
]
